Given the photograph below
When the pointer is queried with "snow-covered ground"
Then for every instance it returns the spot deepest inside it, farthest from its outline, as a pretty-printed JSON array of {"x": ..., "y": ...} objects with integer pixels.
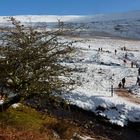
[{"x": 101, "y": 69}]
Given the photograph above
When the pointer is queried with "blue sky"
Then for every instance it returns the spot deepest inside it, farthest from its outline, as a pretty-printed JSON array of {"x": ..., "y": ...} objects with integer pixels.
[{"x": 66, "y": 7}]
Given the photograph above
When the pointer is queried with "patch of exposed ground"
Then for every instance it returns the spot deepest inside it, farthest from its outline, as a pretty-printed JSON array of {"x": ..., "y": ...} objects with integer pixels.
[{"x": 124, "y": 93}]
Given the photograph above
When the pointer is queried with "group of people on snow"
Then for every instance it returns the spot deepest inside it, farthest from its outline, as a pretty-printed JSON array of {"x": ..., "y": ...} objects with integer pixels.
[
  {"x": 100, "y": 49},
  {"x": 125, "y": 58},
  {"x": 122, "y": 83}
]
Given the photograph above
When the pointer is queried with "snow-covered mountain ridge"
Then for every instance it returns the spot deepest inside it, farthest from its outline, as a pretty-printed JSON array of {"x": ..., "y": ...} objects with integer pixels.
[
  {"x": 74, "y": 18},
  {"x": 41, "y": 18},
  {"x": 126, "y": 25}
]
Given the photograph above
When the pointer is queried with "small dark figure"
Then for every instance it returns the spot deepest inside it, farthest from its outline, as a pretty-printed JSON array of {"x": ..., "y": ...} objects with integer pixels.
[
  {"x": 112, "y": 90},
  {"x": 139, "y": 71},
  {"x": 123, "y": 82},
  {"x": 89, "y": 46},
  {"x": 115, "y": 51},
  {"x": 101, "y": 49},
  {"x": 138, "y": 80},
  {"x": 137, "y": 65},
  {"x": 120, "y": 85},
  {"x": 125, "y": 56},
  {"x": 124, "y": 48},
  {"x": 124, "y": 61},
  {"x": 132, "y": 63}
]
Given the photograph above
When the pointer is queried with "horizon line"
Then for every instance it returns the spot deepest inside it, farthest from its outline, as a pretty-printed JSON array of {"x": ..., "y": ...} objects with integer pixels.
[{"x": 69, "y": 14}]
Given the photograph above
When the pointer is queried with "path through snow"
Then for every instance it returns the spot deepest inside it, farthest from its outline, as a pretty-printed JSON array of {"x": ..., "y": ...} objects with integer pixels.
[{"x": 127, "y": 95}]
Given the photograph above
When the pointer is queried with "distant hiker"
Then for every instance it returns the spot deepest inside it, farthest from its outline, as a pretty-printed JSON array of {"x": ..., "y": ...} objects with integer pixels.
[
  {"x": 138, "y": 80},
  {"x": 124, "y": 48},
  {"x": 139, "y": 71},
  {"x": 112, "y": 90},
  {"x": 99, "y": 49},
  {"x": 120, "y": 85},
  {"x": 125, "y": 56},
  {"x": 124, "y": 61},
  {"x": 123, "y": 82},
  {"x": 132, "y": 63},
  {"x": 115, "y": 51},
  {"x": 88, "y": 46}
]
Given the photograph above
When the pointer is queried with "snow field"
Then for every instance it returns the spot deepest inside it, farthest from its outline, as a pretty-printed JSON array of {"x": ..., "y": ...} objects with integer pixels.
[{"x": 101, "y": 70}]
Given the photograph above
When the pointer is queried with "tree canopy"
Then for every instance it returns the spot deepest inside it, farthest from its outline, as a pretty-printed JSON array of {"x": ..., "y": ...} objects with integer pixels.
[{"x": 32, "y": 61}]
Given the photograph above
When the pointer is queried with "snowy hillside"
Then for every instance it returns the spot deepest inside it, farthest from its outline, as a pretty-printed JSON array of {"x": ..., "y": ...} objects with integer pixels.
[{"x": 101, "y": 69}]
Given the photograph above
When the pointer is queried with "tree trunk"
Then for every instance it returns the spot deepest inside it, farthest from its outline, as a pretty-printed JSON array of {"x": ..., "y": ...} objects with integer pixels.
[{"x": 8, "y": 102}]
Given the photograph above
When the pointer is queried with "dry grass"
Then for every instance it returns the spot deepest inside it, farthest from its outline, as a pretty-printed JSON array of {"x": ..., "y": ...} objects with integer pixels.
[
  {"x": 8, "y": 133},
  {"x": 25, "y": 123}
]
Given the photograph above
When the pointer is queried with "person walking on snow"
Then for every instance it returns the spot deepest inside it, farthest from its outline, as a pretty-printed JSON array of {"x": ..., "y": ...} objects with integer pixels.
[
  {"x": 124, "y": 61},
  {"x": 125, "y": 56},
  {"x": 139, "y": 71},
  {"x": 101, "y": 49},
  {"x": 132, "y": 64},
  {"x": 138, "y": 81},
  {"x": 124, "y": 48},
  {"x": 123, "y": 82},
  {"x": 120, "y": 85},
  {"x": 115, "y": 51}
]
